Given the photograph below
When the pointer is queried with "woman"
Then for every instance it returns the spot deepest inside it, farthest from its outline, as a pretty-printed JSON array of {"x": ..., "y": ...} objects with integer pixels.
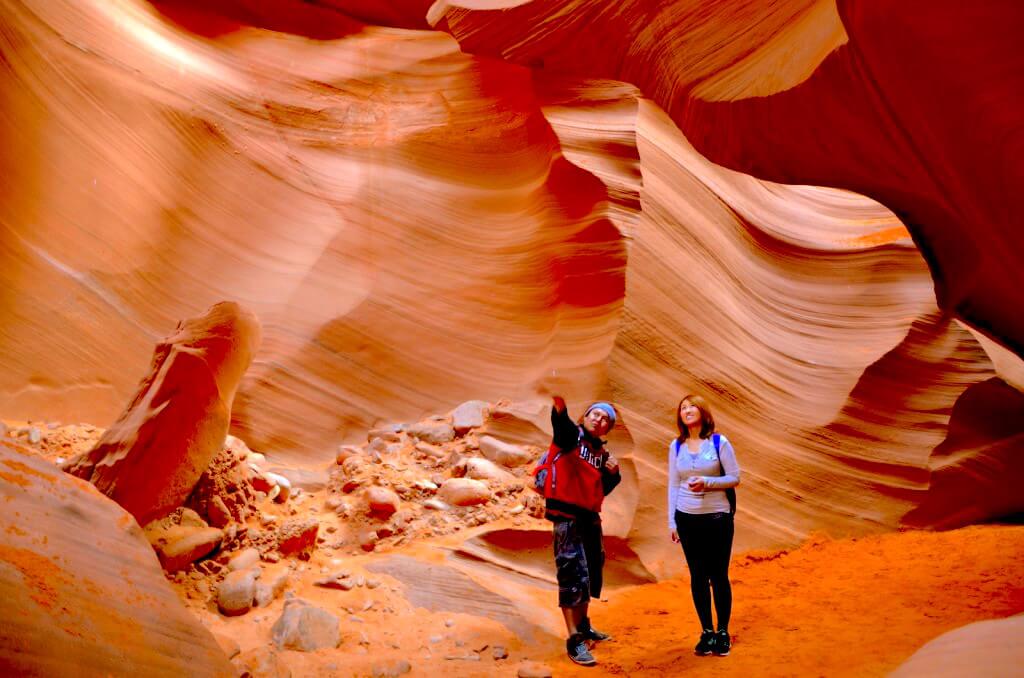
[
  {"x": 702, "y": 469},
  {"x": 574, "y": 476}
]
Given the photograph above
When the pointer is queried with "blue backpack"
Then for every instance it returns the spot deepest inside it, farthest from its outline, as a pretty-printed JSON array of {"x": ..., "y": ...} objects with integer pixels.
[{"x": 730, "y": 492}]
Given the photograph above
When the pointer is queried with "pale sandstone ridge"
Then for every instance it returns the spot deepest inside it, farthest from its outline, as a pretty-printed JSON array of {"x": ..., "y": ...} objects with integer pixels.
[
  {"x": 82, "y": 591},
  {"x": 150, "y": 459},
  {"x": 987, "y": 649}
]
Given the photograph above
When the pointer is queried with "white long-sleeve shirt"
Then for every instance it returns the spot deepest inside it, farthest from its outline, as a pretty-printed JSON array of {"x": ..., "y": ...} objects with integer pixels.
[{"x": 720, "y": 471}]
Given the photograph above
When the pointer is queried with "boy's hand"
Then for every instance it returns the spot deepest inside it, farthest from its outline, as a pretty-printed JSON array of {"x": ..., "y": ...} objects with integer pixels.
[{"x": 612, "y": 464}]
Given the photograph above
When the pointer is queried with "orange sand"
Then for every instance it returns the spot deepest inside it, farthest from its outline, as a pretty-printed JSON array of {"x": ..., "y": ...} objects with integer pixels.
[{"x": 857, "y": 607}]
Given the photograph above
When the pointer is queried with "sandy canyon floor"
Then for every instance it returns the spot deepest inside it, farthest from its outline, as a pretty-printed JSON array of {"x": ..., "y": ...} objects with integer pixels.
[{"x": 832, "y": 607}]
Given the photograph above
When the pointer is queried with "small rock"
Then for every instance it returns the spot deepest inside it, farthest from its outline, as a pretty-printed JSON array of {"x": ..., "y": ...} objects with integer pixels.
[
  {"x": 33, "y": 435},
  {"x": 381, "y": 502},
  {"x": 181, "y": 545},
  {"x": 333, "y": 503},
  {"x": 342, "y": 583},
  {"x": 298, "y": 536},
  {"x": 244, "y": 559},
  {"x": 303, "y": 480},
  {"x": 368, "y": 540},
  {"x": 432, "y": 451},
  {"x": 485, "y": 469},
  {"x": 499, "y": 652},
  {"x": 386, "y": 435},
  {"x": 284, "y": 487},
  {"x": 504, "y": 453},
  {"x": 305, "y": 627},
  {"x": 435, "y": 432},
  {"x": 372, "y": 583},
  {"x": 352, "y": 464},
  {"x": 345, "y": 452},
  {"x": 436, "y": 505},
  {"x": 351, "y": 485},
  {"x": 449, "y": 623},
  {"x": 399, "y": 668},
  {"x": 533, "y": 670},
  {"x": 268, "y": 590},
  {"x": 464, "y": 492},
  {"x": 235, "y": 594},
  {"x": 261, "y": 662}
]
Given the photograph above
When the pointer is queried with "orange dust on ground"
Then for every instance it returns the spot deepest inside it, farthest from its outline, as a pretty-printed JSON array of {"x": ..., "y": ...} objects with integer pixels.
[{"x": 855, "y": 607}]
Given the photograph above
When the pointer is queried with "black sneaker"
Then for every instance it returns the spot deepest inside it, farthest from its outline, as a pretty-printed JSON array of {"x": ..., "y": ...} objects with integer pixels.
[
  {"x": 722, "y": 644},
  {"x": 707, "y": 643},
  {"x": 576, "y": 647},
  {"x": 590, "y": 633}
]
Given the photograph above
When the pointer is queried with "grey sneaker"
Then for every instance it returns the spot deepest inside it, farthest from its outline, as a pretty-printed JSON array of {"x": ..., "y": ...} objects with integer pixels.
[
  {"x": 706, "y": 645},
  {"x": 576, "y": 647},
  {"x": 590, "y": 633},
  {"x": 722, "y": 644}
]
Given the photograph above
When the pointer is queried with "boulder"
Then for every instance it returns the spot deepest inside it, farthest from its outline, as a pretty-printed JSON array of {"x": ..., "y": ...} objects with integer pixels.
[
  {"x": 468, "y": 415},
  {"x": 236, "y": 592},
  {"x": 464, "y": 492},
  {"x": 150, "y": 459},
  {"x": 305, "y": 627},
  {"x": 504, "y": 453},
  {"x": 82, "y": 590},
  {"x": 435, "y": 432}
]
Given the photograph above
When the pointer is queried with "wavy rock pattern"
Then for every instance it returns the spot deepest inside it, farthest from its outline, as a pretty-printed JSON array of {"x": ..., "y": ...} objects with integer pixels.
[
  {"x": 82, "y": 591},
  {"x": 416, "y": 226}
]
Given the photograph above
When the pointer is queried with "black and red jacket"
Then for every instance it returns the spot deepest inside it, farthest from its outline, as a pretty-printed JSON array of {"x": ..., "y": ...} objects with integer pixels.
[{"x": 576, "y": 481}]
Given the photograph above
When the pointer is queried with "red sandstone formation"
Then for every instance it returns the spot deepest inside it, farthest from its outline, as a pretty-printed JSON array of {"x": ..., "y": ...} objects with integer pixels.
[
  {"x": 416, "y": 225},
  {"x": 82, "y": 591},
  {"x": 151, "y": 458}
]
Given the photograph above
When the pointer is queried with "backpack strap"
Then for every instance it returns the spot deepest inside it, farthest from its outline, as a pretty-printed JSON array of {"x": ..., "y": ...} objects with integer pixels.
[{"x": 730, "y": 492}]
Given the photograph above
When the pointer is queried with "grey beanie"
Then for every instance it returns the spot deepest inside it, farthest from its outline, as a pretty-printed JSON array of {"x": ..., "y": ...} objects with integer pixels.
[{"x": 607, "y": 409}]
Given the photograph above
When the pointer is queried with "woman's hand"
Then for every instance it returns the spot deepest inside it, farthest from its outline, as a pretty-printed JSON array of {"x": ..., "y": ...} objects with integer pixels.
[
  {"x": 612, "y": 464},
  {"x": 675, "y": 536},
  {"x": 695, "y": 484}
]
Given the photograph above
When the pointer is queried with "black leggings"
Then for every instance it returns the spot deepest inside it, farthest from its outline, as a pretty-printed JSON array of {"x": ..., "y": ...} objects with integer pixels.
[{"x": 707, "y": 545}]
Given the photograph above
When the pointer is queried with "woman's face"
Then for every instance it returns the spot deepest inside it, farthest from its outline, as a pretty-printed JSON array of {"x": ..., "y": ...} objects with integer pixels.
[
  {"x": 690, "y": 415},
  {"x": 596, "y": 422}
]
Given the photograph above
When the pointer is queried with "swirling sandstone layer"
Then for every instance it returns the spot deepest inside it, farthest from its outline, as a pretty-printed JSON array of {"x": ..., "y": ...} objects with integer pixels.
[
  {"x": 82, "y": 591},
  {"x": 416, "y": 225}
]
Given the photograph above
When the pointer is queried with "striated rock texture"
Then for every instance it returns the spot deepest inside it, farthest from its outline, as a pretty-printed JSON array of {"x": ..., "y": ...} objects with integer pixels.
[
  {"x": 421, "y": 217},
  {"x": 150, "y": 459},
  {"x": 82, "y": 591}
]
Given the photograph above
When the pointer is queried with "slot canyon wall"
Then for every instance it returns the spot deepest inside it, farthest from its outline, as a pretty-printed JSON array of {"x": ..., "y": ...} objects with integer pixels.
[{"x": 429, "y": 203}]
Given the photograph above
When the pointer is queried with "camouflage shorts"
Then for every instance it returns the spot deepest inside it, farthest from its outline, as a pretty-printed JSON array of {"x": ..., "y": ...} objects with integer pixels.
[{"x": 579, "y": 561}]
